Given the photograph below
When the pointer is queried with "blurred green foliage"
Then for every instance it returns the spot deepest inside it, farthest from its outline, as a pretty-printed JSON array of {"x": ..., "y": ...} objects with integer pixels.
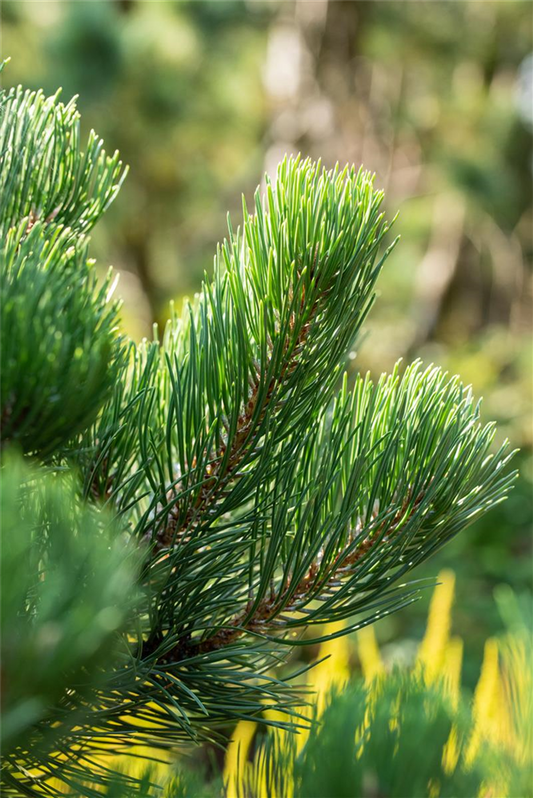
[
  {"x": 68, "y": 585},
  {"x": 200, "y": 96}
]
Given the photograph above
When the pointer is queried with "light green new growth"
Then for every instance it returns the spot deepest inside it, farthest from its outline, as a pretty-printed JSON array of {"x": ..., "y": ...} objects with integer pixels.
[{"x": 45, "y": 175}]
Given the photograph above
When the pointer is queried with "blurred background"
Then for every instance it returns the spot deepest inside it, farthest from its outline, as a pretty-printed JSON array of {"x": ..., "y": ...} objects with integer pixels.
[{"x": 434, "y": 97}]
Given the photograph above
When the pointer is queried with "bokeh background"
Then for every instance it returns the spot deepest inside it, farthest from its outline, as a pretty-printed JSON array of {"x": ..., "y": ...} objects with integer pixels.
[{"x": 434, "y": 97}]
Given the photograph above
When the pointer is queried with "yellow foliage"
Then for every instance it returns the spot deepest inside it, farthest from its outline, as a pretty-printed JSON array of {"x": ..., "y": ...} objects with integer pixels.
[
  {"x": 237, "y": 754},
  {"x": 432, "y": 652},
  {"x": 502, "y": 706},
  {"x": 451, "y": 669},
  {"x": 369, "y": 654},
  {"x": 517, "y": 694},
  {"x": 333, "y": 672},
  {"x": 496, "y": 717}
]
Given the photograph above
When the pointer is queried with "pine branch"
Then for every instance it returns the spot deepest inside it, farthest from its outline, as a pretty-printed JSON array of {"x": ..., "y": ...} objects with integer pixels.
[
  {"x": 263, "y": 500},
  {"x": 271, "y": 507},
  {"x": 275, "y": 609},
  {"x": 107, "y": 453},
  {"x": 343, "y": 535},
  {"x": 44, "y": 175},
  {"x": 261, "y": 347},
  {"x": 233, "y": 450},
  {"x": 60, "y": 350}
]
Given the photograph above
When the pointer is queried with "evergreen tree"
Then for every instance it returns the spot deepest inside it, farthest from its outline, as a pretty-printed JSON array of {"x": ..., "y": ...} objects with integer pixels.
[{"x": 176, "y": 514}]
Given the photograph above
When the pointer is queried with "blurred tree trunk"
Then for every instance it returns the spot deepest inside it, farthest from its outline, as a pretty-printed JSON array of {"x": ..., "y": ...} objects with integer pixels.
[
  {"x": 329, "y": 100},
  {"x": 339, "y": 45},
  {"x": 137, "y": 243},
  {"x": 310, "y": 77},
  {"x": 125, "y": 6}
]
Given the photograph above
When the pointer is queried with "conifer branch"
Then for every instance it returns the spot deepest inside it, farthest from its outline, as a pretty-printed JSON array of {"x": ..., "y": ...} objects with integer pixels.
[
  {"x": 60, "y": 348},
  {"x": 262, "y": 497},
  {"x": 44, "y": 175},
  {"x": 222, "y": 469}
]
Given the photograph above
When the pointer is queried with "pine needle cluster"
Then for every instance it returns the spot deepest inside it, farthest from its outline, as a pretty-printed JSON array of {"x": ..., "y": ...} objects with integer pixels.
[{"x": 217, "y": 492}]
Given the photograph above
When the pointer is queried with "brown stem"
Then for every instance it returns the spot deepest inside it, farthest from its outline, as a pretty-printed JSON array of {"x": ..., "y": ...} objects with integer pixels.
[
  {"x": 125, "y": 6},
  {"x": 33, "y": 218},
  {"x": 95, "y": 488},
  {"x": 271, "y": 606},
  {"x": 222, "y": 468}
]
